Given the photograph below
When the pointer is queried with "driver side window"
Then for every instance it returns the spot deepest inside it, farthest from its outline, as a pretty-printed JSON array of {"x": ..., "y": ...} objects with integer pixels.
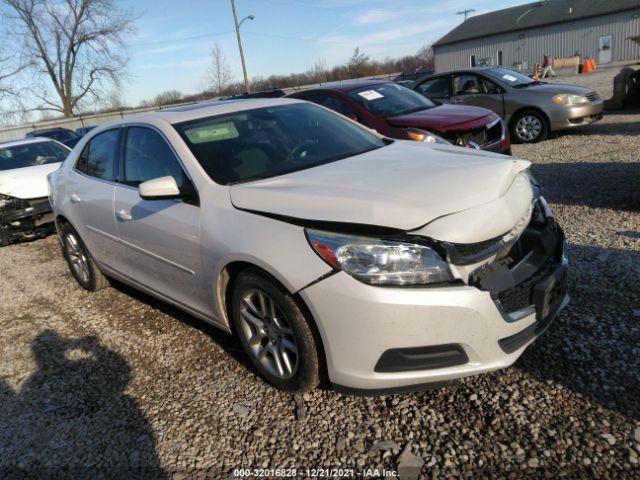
[
  {"x": 435, "y": 88},
  {"x": 147, "y": 156}
]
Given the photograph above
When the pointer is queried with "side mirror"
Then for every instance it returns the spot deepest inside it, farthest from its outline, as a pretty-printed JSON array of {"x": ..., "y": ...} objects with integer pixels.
[
  {"x": 159, "y": 188},
  {"x": 353, "y": 117}
]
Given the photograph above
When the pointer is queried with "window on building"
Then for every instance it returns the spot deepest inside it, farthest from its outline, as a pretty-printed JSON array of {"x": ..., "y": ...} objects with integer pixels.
[{"x": 472, "y": 61}]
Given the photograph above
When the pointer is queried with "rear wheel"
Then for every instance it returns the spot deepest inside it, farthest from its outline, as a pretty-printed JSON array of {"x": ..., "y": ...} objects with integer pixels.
[
  {"x": 275, "y": 332},
  {"x": 82, "y": 266},
  {"x": 529, "y": 126}
]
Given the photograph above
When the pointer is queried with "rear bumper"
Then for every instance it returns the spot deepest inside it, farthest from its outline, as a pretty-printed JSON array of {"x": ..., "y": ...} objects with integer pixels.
[{"x": 563, "y": 117}]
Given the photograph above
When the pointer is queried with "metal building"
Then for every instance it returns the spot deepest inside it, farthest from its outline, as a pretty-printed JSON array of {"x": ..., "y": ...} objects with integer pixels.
[{"x": 518, "y": 37}]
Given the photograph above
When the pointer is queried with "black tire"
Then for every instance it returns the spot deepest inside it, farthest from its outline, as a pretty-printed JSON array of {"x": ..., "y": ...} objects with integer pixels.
[
  {"x": 529, "y": 126},
  {"x": 289, "y": 317},
  {"x": 81, "y": 264},
  {"x": 5, "y": 238}
]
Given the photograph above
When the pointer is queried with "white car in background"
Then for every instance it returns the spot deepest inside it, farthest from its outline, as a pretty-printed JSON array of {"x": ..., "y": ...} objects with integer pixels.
[
  {"x": 332, "y": 252},
  {"x": 25, "y": 212}
]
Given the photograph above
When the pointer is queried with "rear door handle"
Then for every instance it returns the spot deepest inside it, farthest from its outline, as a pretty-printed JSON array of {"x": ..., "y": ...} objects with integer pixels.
[
  {"x": 74, "y": 197},
  {"x": 123, "y": 215}
]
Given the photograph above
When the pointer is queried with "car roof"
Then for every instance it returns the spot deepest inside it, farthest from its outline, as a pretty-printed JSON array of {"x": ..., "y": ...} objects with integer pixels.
[
  {"x": 464, "y": 70},
  {"x": 51, "y": 130},
  {"x": 346, "y": 86},
  {"x": 185, "y": 113},
  {"x": 23, "y": 141}
]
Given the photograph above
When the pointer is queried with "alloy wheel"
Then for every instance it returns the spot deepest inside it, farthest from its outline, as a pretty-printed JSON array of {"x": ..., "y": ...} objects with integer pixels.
[
  {"x": 77, "y": 258},
  {"x": 528, "y": 128},
  {"x": 269, "y": 335}
]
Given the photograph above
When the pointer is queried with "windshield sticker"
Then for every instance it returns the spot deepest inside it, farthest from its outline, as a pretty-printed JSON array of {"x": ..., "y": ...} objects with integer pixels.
[
  {"x": 370, "y": 95},
  {"x": 511, "y": 78},
  {"x": 212, "y": 132}
]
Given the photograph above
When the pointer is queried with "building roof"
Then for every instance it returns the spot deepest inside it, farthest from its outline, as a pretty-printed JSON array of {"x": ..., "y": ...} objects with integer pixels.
[{"x": 533, "y": 15}]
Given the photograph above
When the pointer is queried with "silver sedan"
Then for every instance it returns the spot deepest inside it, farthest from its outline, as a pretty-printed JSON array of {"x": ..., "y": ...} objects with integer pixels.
[
  {"x": 332, "y": 252},
  {"x": 531, "y": 108}
]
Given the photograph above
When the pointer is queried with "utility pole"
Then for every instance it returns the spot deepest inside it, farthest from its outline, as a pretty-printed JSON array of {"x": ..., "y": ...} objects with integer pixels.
[
  {"x": 244, "y": 67},
  {"x": 466, "y": 12}
]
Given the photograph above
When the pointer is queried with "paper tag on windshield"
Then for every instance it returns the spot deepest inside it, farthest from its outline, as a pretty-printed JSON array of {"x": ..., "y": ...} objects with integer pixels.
[
  {"x": 370, "y": 95},
  {"x": 511, "y": 78}
]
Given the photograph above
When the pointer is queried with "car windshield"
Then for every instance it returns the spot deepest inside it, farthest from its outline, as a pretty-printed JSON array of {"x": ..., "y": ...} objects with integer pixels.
[
  {"x": 31, "y": 155},
  {"x": 390, "y": 99},
  {"x": 271, "y": 141},
  {"x": 510, "y": 77}
]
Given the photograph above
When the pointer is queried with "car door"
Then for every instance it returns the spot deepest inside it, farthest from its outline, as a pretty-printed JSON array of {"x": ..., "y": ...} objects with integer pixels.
[
  {"x": 91, "y": 186},
  {"x": 438, "y": 89},
  {"x": 160, "y": 238},
  {"x": 471, "y": 89}
]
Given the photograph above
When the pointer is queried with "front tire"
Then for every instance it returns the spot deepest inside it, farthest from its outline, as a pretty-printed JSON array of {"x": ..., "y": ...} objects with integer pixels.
[
  {"x": 275, "y": 332},
  {"x": 81, "y": 265},
  {"x": 529, "y": 126}
]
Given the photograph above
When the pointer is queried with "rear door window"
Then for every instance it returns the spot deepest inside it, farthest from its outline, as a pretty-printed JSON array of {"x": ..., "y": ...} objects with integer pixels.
[
  {"x": 436, "y": 88},
  {"x": 99, "y": 157}
]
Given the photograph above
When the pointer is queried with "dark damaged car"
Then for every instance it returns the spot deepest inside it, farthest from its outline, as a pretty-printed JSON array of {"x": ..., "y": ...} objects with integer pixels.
[
  {"x": 398, "y": 112},
  {"x": 25, "y": 212}
]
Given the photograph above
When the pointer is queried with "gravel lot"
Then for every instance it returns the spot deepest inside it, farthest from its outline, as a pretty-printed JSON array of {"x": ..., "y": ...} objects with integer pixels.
[{"x": 116, "y": 384}]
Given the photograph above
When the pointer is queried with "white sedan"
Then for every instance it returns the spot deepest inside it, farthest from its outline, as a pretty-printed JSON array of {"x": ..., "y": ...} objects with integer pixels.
[
  {"x": 333, "y": 253},
  {"x": 24, "y": 207}
]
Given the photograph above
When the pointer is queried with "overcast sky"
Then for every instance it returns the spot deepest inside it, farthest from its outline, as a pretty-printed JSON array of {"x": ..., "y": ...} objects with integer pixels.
[{"x": 171, "y": 47}]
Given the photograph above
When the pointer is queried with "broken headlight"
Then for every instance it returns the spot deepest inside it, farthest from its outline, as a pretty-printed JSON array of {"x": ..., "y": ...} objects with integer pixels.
[
  {"x": 380, "y": 262},
  {"x": 6, "y": 202}
]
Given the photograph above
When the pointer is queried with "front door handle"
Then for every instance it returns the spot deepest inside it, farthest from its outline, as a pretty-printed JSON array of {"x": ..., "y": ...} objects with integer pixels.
[
  {"x": 123, "y": 215},
  {"x": 74, "y": 197}
]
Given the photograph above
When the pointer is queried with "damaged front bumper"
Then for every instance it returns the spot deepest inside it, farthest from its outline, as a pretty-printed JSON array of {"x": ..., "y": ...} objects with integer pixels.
[
  {"x": 24, "y": 219},
  {"x": 381, "y": 339}
]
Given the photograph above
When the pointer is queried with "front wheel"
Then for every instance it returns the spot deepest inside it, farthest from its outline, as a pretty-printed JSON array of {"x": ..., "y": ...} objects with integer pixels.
[
  {"x": 82, "y": 266},
  {"x": 529, "y": 126},
  {"x": 275, "y": 332}
]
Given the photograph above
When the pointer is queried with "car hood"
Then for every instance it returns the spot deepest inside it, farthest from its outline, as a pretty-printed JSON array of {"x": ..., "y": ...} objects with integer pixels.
[
  {"x": 444, "y": 118},
  {"x": 555, "y": 88},
  {"x": 28, "y": 182},
  {"x": 404, "y": 185}
]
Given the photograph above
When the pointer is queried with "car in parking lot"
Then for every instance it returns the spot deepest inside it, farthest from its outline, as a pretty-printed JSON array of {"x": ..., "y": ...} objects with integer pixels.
[
  {"x": 334, "y": 253},
  {"x": 25, "y": 212},
  {"x": 531, "y": 108},
  {"x": 397, "y": 112},
  {"x": 63, "y": 135}
]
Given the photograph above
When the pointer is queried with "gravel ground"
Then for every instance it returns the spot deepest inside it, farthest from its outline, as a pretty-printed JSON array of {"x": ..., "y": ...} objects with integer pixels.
[{"x": 116, "y": 384}]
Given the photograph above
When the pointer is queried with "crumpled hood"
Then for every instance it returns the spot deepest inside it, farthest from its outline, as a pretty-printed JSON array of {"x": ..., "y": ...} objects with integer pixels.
[
  {"x": 404, "y": 185},
  {"x": 445, "y": 118},
  {"x": 28, "y": 182}
]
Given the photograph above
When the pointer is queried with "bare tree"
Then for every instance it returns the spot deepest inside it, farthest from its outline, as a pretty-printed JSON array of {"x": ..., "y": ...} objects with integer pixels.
[
  {"x": 219, "y": 75},
  {"x": 74, "y": 44},
  {"x": 167, "y": 98},
  {"x": 359, "y": 64}
]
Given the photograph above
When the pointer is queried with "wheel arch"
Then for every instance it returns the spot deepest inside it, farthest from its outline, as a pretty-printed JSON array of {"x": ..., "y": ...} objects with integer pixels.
[{"x": 225, "y": 281}]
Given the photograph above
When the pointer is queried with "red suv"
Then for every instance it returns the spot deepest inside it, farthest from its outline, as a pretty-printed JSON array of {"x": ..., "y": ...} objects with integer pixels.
[{"x": 398, "y": 112}]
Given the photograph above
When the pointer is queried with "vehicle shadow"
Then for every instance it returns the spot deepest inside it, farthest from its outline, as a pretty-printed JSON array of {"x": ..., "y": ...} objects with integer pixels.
[
  {"x": 592, "y": 347},
  {"x": 72, "y": 419},
  {"x": 614, "y": 185},
  {"x": 620, "y": 128},
  {"x": 229, "y": 343}
]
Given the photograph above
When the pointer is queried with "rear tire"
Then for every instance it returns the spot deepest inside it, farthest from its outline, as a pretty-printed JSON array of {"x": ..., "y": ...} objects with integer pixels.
[
  {"x": 529, "y": 126},
  {"x": 80, "y": 262},
  {"x": 275, "y": 332}
]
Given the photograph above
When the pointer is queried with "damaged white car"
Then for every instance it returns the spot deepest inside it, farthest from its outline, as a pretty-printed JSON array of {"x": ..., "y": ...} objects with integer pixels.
[
  {"x": 333, "y": 253},
  {"x": 25, "y": 212}
]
